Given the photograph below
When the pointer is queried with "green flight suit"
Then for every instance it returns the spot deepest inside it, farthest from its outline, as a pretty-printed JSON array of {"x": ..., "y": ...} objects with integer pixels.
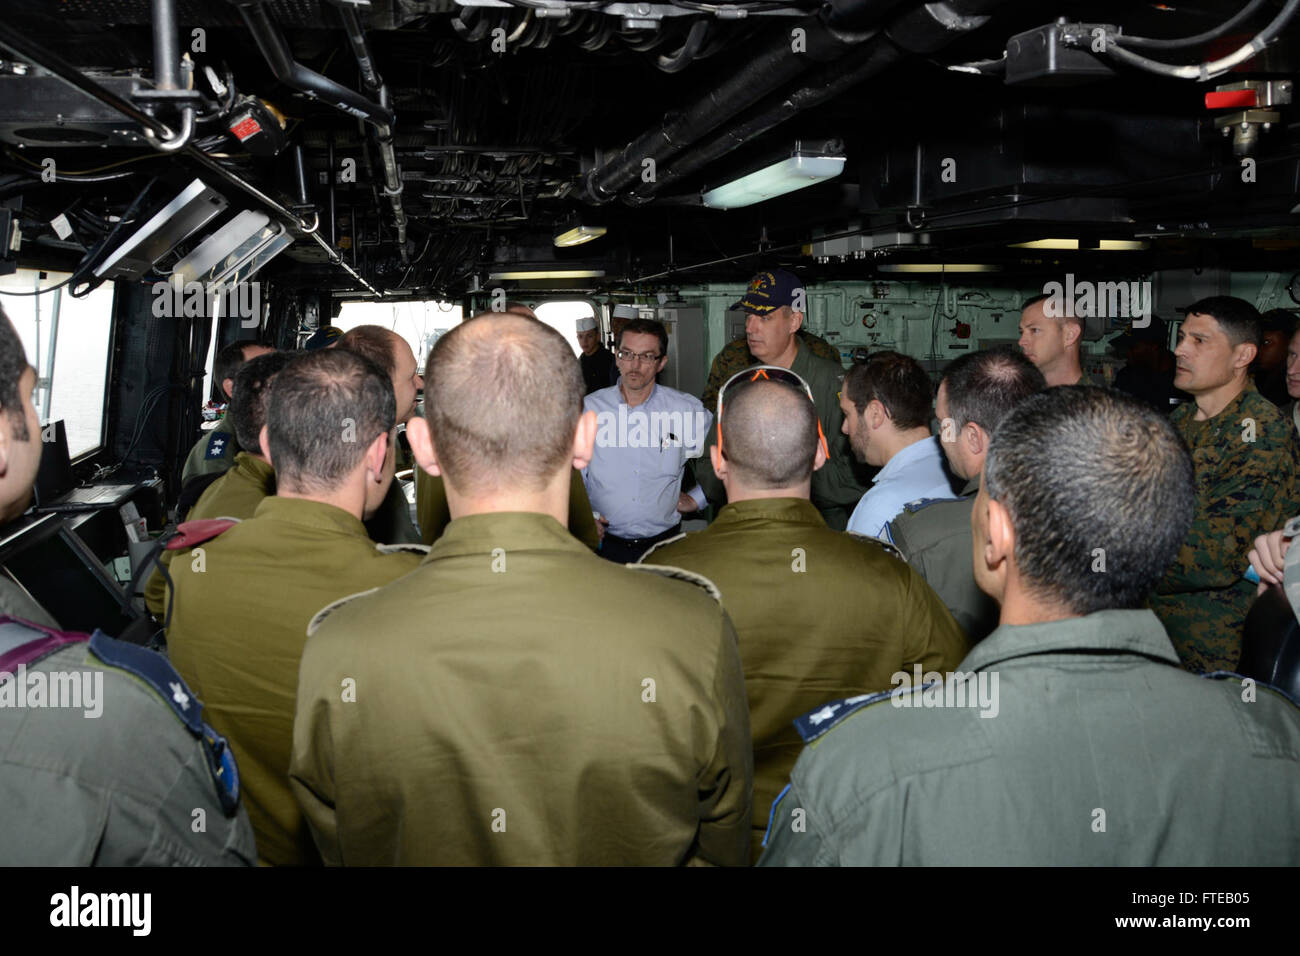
[
  {"x": 236, "y": 494},
  {"x": 238, "y": 628},
  {"x": 521, "y": 701},
  {"x": 736, "y": 356},
  {"x": 116, "y": 788},
  {"x": 1098, "y": 751},
  {"x": 1244, "y": 488},
  {"x": 820, "y": 615},
  {"x": 837, "y": 486},
  {"x": 213, "y": 453},
  {"x": 434, "y": 515},
  {"x": 935, "y": 537}
]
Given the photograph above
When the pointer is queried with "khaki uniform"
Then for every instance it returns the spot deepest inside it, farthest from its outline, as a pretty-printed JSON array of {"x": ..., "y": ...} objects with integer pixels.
[
  {"x": 123, "y": 788},
  {"x": 237, "y": 632},
  {"x": 434, "y": 515},
  {"x": 837, "y": 486},
  {"x": 1244, "y": 489},
  {"x": 520, "y": 701},
  {"x": 935, "y": 537},
  {"x": 820, "y": 615},
  {"x": 236, "y": 494},
  {"x": 736, "y": 356},
  {"x": 213, "y": 453},
  {"x": 1103, "y": 752}
]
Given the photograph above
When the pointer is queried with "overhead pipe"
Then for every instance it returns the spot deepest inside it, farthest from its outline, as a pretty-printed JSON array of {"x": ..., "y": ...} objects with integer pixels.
[
  {"x": 773, "y": 66},
  {"x": 924, "y": 29},
  {"x": 270, "y": 41}
]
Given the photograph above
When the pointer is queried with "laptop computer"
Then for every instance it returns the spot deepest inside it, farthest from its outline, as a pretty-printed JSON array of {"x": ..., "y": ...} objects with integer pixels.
[{"x": 56, "y": 490}]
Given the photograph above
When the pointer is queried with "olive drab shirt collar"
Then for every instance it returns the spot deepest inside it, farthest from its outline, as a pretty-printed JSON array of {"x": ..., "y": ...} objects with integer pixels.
[
  {"x": 508, "y": 530},
  {"x": 311, "y": 514},
  {"x": 1115, "y": 631},
  {"x": 256, "y": 470},
  {"x": 795, "y": 510}
]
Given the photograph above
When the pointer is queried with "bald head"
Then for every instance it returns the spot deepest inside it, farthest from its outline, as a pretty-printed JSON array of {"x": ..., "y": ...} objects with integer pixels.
[
  {"x": 393, "y": 354},
  {"x": 769, "y": 436},
  {"x": 503, "y": 404}
]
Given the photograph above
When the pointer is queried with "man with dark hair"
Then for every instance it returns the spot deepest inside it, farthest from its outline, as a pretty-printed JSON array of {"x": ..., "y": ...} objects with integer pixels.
[
  {"x": 886, "y": 404},
  {"x": 124, "y": 787},
  {"x": 391, "y": 522},
  {"x": 646, "y": 433},
  {"x": 774, "y": 305},
  {"x": 243, "y": 601},
  {"x": 1247, "y": 482},
  {"x": 976, "y": 393},
  {"x": 1052, "y": 340},
  {"x": 1269, "y": 368},
  {"x": 215, "y": 451},
  {"x": 605, "y": 765},
  {"x": 820, "y": 614},
  {"x": 599, "y": 369},
  {"x": 1103, "y": 751},
  {"x": 237, "y": 492}
]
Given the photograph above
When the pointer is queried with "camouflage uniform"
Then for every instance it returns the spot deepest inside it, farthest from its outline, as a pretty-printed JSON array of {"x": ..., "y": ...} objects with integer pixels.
[
  {"x": 736, "y": 356},
  {"x": 1243, "y": 489}
]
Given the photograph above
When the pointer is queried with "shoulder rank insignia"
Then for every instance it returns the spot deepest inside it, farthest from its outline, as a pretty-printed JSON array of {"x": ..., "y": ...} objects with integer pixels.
[
  {"x": 668, "y": 571},
  {"x": 319, "y": 617},
  {"x": 1233, "y": 675},
  {"x": 399, "y": 548},
  {"x": 813, "y": 725},
  {"x": 886, "y": 546},
  {"x": 661, "y": 544},
  {"x": 157, "y": 673},
  {"x": 220, "y": 445},
  {"x": 912, "y": 507}
]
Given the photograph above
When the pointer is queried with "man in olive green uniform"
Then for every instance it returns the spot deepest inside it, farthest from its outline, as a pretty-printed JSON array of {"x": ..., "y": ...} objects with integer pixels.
[
  {"x": 391, "y": 522},
  {"x": 215, "y": 451},
  {"x": 485, "y": 709},
  {"x": 1247, "y": 482},
  {"x": 774, "y": 306},
  {"x": 238, "y": 492},
  {"x": 736, "y": 356},
  {"x": 820, "y": 614},
  {"x": 976, "y": 393},
  {"x": 243, "y": 600},
  {"x": 120, "y": 773},
  {"x": 1071, "y": 737}
]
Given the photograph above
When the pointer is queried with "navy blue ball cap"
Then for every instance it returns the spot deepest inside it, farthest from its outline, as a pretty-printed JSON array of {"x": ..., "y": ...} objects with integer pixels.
[{"x": 769, "y": 291}]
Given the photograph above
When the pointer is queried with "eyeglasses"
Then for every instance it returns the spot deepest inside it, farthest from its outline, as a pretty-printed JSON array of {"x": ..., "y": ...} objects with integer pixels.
[
  {"x": 770, "y": 373},
  {"x": 626, "y": 355}
]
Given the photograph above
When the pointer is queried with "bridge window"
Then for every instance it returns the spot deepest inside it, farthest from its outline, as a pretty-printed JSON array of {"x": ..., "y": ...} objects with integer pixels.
[
  {"x": 420, "y": 323},
  {"x": 563, "y": 316},
  {"x": 67, "y": 340}
]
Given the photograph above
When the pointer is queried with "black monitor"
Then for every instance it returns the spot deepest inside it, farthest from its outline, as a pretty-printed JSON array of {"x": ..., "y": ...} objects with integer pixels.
[{"x": 54, "y": 479}]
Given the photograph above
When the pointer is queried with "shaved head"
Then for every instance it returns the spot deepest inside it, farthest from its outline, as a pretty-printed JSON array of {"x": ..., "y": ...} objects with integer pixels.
[
  {"x": 503, "y": 403},
  {"x": 769, "y": 435}
]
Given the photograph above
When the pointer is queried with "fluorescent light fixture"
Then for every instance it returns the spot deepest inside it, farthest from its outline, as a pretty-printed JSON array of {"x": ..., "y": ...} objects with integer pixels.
[
  {"x": 789, "y": 174},
  {"x": 938, "y": 267},
  {"x": 1105, "y": 245},
  {"x": 548, "y": 274},
  {"x": 578, "y": 234}
]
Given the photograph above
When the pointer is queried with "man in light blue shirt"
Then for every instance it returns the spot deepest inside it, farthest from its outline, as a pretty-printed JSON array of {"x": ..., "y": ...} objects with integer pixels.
[
  {"x": 645, "y": 433},
  {"x": 886, "y": 404}
]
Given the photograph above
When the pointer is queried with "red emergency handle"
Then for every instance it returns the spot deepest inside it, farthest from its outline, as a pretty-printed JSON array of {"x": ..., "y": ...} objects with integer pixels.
[{"x": 1230, "y": 99}]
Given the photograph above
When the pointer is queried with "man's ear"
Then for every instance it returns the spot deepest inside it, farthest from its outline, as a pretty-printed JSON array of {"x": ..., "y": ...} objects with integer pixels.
[
  {"x": 797, "y": 319},
  {"x": 377, "y": 456},
  {"x": 584, "y": 440},
  {"x": 975, "y": 440},
  {"x": 819, "y": 458},
  {"x": 876, "y": 414},
  {"x": 228, "y": 386},
  {"x": 264, "y": 443},
  {"x": 1073, "y": 331},
  {"x": 1244, "y": 354},
  {"x": 421, "y": 439},
  {"x": 5, "y": 439},
  {"x": 718, "y": 462},
  {"x": 1001, "y": 545}
]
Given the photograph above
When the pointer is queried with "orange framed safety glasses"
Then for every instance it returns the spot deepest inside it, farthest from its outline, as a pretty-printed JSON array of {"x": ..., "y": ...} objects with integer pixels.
[{"x": 770, "y": 373}]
